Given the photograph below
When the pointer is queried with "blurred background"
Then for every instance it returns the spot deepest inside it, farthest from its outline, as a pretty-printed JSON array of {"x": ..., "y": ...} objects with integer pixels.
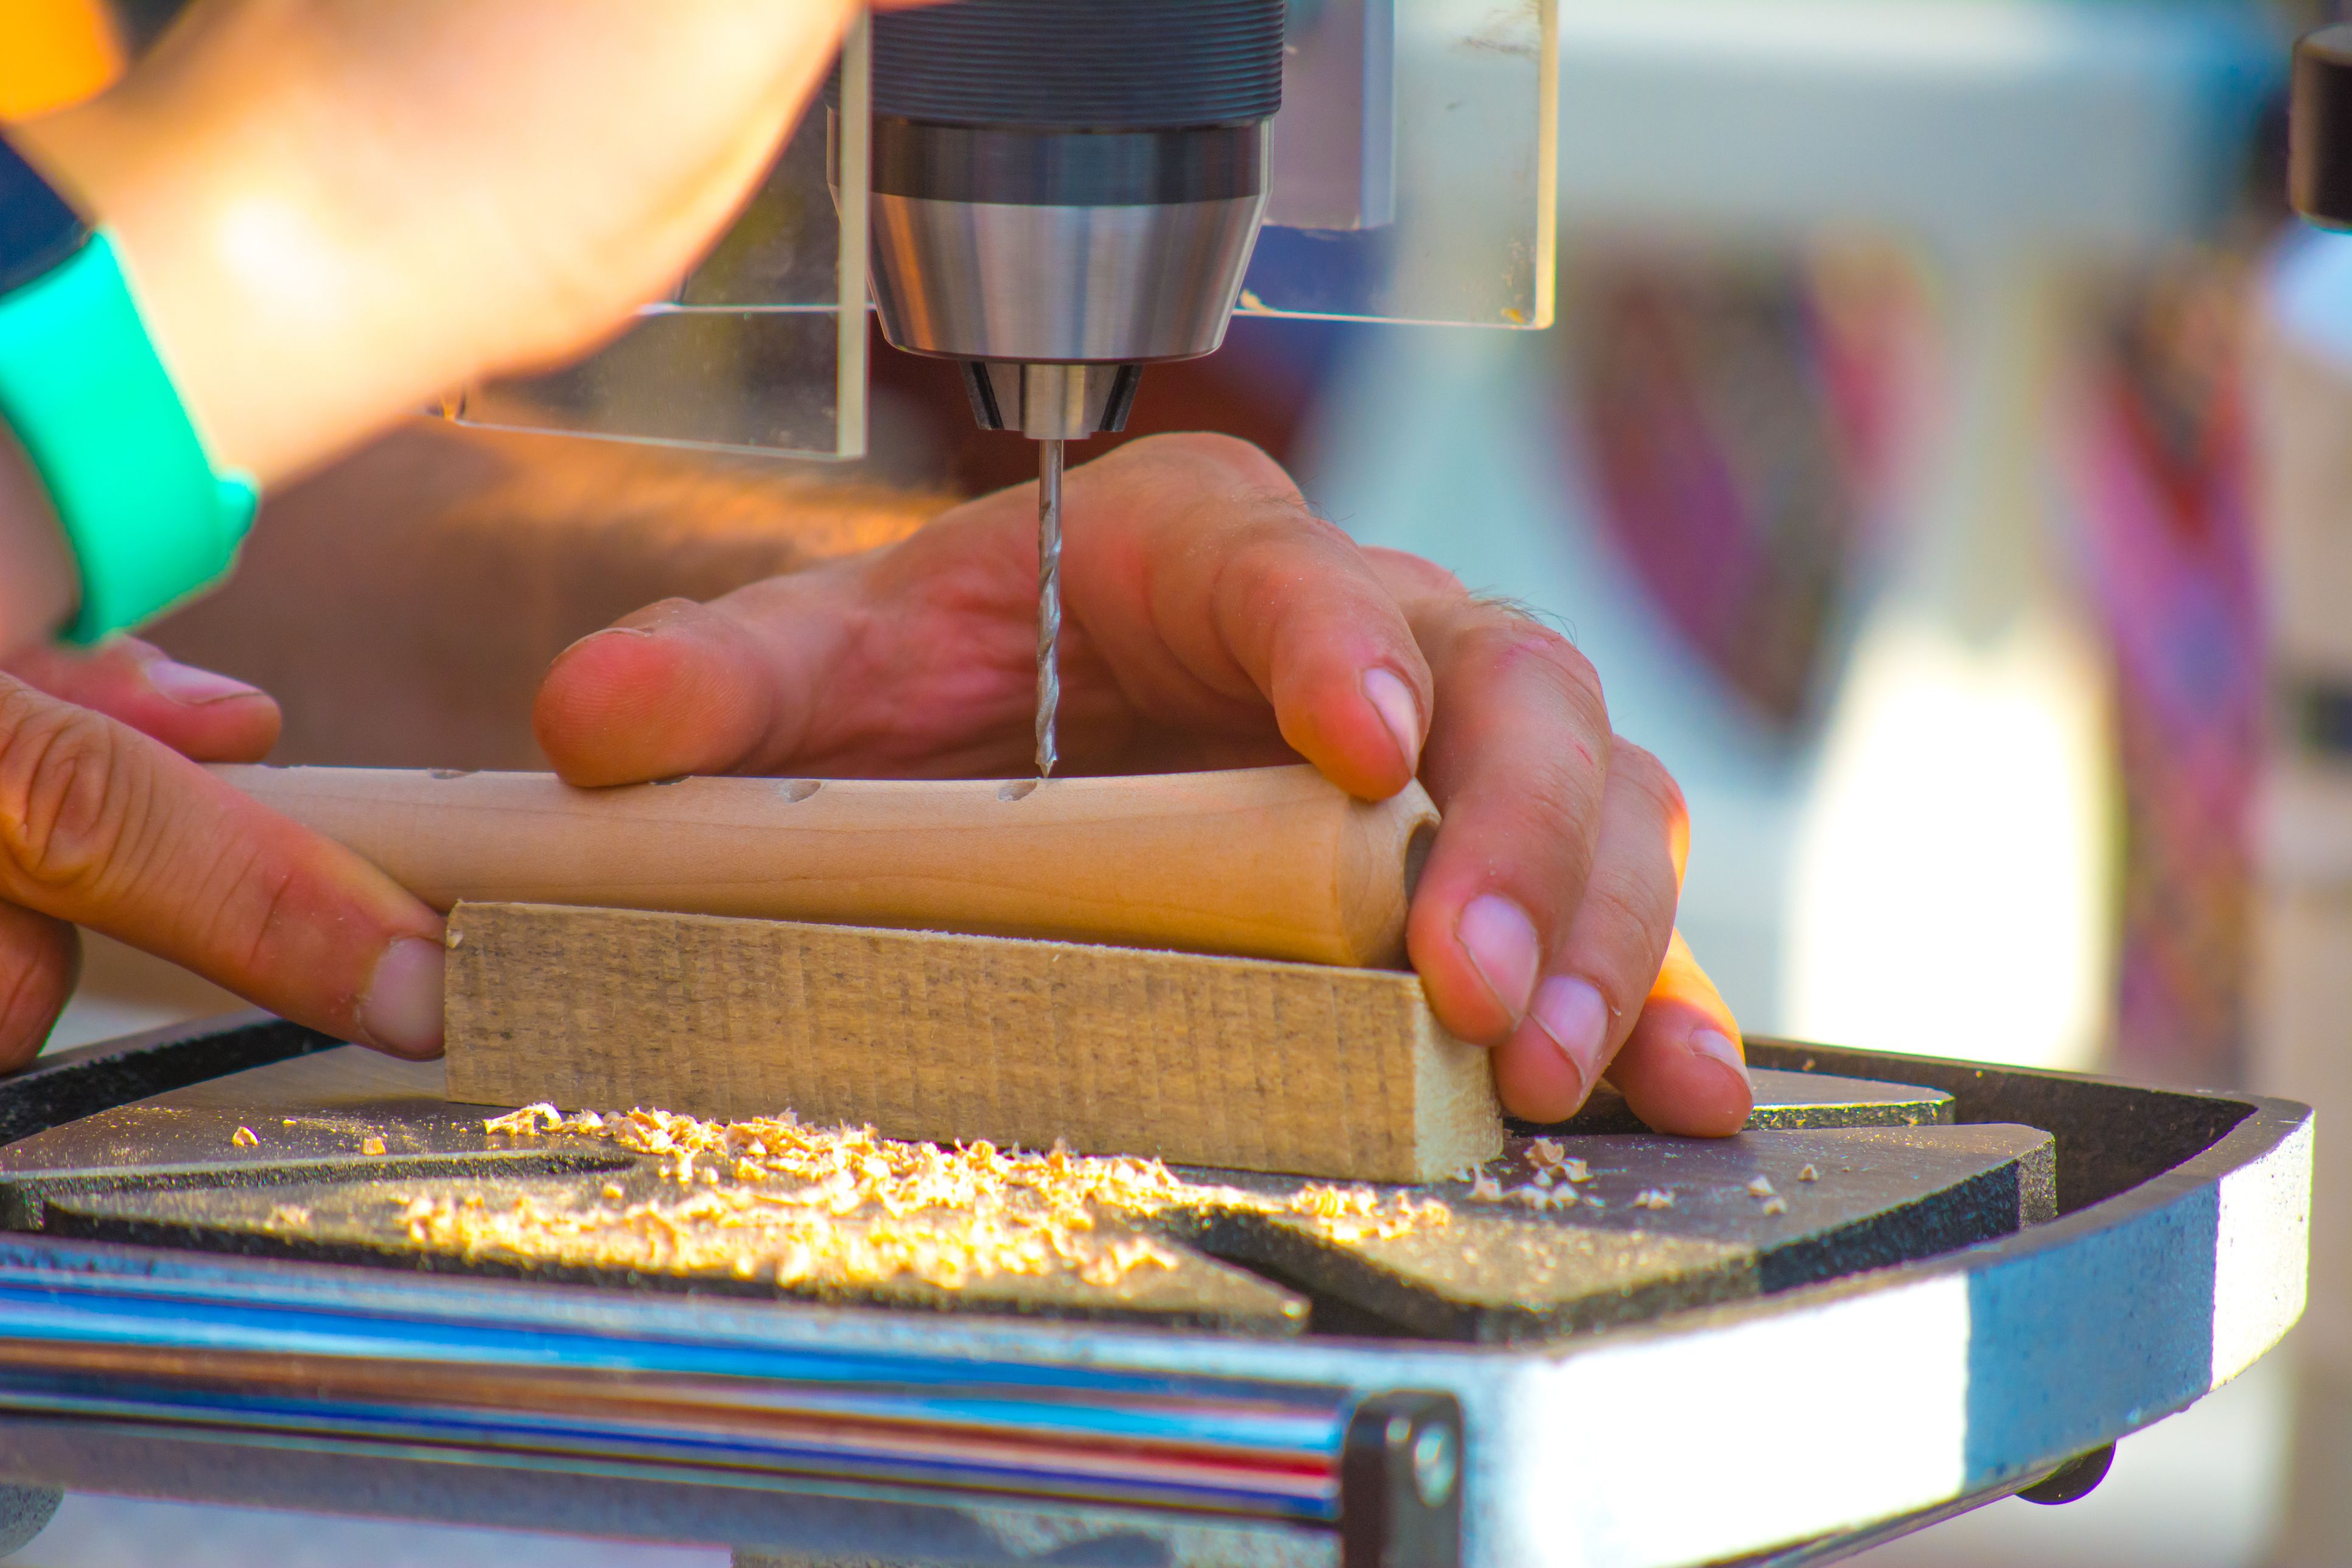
[{"x": 1944, "y": 452}]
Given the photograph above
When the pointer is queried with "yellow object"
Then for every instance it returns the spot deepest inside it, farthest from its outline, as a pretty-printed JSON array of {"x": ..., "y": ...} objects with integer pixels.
[{"x": 54, "y": 53}]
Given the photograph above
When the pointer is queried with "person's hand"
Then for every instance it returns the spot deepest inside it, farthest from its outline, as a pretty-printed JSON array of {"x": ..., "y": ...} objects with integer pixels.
[
  {"x": 1211, "y": 620},
  {"x": 105, "y": 821},
  {"x": 335, "y": 209}
]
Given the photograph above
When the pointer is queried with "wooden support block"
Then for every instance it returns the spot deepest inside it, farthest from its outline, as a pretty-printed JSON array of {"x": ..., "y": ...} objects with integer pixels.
[{"x": 1197, "y": 1059}]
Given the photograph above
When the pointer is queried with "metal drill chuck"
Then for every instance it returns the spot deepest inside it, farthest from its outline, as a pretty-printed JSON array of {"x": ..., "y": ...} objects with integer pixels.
[{"x": 1068, "y": 183}]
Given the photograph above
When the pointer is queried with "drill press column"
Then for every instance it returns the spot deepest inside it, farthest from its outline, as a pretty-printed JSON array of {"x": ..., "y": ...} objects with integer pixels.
[{"x": 1064, "y": 191}]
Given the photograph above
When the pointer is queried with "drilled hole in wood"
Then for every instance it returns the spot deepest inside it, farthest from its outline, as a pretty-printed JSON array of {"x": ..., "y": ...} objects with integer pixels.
[{"x": 1416, "y": 857}]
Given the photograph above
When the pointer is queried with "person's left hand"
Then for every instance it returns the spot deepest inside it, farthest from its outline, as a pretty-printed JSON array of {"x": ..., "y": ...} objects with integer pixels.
[
  {"x": 107, "y": 821},
  {"x": 1211, "y": 620}
]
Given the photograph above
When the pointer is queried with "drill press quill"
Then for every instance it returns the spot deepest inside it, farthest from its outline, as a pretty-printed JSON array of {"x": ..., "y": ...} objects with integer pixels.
[{"x": 1064, "y": 191}]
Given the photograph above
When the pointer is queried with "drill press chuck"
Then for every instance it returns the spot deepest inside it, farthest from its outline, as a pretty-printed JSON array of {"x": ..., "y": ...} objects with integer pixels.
[{"x": 1068, "y": 182}]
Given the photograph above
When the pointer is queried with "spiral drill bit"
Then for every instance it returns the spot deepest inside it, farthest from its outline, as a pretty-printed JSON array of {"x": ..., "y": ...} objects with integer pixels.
[{"x": 1049, "y": 600}]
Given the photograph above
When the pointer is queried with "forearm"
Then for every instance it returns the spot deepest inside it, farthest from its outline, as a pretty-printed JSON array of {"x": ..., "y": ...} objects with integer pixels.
[
  {"x": 36, "y": 572},
  {"x": 332, "y": 212},
  {"x": 404, "y": 603}
]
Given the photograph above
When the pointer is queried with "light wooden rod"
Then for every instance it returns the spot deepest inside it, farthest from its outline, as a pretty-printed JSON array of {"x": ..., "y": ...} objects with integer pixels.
[{"x": 1261, "y": 862}]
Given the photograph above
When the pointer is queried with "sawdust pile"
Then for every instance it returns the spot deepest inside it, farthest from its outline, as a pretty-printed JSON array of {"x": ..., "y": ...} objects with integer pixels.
[{"x": 816, "y": 1207}]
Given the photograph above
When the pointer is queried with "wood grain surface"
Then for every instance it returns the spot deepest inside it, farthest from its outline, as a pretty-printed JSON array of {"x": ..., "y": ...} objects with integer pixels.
[
  {"x": 1192, "y": 1058},
  {"x": 1266, "y": 862}
]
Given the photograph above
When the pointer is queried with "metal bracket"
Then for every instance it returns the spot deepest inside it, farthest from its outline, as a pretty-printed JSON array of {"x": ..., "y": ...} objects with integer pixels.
[
  {"x": 2074, "y": 1479},
  {"x": 1401, "y": 1476}
]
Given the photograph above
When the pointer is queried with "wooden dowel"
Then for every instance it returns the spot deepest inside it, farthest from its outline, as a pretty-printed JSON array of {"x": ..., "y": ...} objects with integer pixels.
[{"x": 1261, "y": 862}]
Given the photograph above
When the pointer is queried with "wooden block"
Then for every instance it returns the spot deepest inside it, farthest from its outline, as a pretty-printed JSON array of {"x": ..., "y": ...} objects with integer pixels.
[{"x": 1201, "y": 1060}]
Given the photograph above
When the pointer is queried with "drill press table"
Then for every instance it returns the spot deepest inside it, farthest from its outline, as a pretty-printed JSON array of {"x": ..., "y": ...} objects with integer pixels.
[{"x": 1940, "y": 1315}]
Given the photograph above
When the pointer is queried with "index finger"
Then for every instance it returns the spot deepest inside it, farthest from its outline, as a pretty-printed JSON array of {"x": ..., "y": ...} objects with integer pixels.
[
  {"x": 196, "y": 712},
  {"x": 1195, "y": 562},
  {"x": 1518, "y": 762}
]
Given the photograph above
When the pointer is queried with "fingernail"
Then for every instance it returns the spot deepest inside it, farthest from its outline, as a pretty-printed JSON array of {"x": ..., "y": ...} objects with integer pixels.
[
  {"x": 1572, "y": 1013},
  {"x": 1502, "y": 947},
  {"x": 1393, "y": 700},
  {"x": 401, "y": 1011},
  {"x": 193, "y": 688},
  {"x": 578, "y": 643},
  {"x": 1718, "y": 1047}
]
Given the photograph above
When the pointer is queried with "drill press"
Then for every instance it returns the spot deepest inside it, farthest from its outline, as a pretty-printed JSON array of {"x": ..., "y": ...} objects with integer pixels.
[{"x": 1064, "y": 191}]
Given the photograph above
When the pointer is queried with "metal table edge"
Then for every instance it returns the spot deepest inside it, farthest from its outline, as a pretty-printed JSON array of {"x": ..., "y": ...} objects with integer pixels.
[{"x": 2163, "y": 1289}]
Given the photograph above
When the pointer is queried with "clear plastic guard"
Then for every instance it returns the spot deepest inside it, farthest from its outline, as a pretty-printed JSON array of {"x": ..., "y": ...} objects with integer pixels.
[
  {"x": 1450, "y": 220},
  {"x": 753, "y": 353},
  {"x": 1414, "y": 180}
]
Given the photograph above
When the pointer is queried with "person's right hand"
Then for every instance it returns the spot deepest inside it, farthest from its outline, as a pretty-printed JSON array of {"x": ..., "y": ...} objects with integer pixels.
[
  {"x": 333, "y": 210},
  {"x": 1213, "y": 620},
  {"x": 107, "y": 821}
]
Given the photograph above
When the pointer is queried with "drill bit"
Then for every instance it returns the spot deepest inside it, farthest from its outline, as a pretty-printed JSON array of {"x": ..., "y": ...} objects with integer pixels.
[{"x": 1049, "y": 599}]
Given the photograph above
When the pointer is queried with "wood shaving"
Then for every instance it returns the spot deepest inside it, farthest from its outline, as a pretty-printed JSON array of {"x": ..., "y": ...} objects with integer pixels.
[
  {"x": 1578, "y": 1171},
  {"x": 1347, "y": 1214},
  {"x": 1540, "y": 1199},
  {"x": 529, "y": 1122},
  {"x": 808, "y": 1206},
  {"x": 243, "y": 1138},
  {"x": 1760, "y": 1187},
  {"x": 1654, "y": 1198},
  {"x": 1808, "y": 1174},
  {"x": 1776, "y": 1205},
  {"x": 372, "y": 1146}
]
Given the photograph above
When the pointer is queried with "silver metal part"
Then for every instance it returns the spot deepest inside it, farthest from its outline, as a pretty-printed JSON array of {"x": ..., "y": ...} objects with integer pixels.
[
  {"x": 1049, "y": 598},
  {"x": 1437, "y": 1465},
  {"x": 1051, "y": 401},
  {"x": 997, "y": 281}
]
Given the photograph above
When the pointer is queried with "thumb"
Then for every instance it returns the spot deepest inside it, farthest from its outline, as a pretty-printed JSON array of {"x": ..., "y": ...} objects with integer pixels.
[
  {"x": 684, "y": 688},
  {"x": 105, "y": 828}
]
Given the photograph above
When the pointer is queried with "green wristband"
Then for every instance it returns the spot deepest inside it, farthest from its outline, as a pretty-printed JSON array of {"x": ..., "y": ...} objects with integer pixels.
[{"x": 150, "y": 521}]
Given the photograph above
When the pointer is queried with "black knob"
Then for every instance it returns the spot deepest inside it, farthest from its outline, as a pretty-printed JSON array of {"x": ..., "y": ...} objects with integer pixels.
[
  {"x": 2319, "y": 128},
  {"x": 1081, "y": 65}
]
